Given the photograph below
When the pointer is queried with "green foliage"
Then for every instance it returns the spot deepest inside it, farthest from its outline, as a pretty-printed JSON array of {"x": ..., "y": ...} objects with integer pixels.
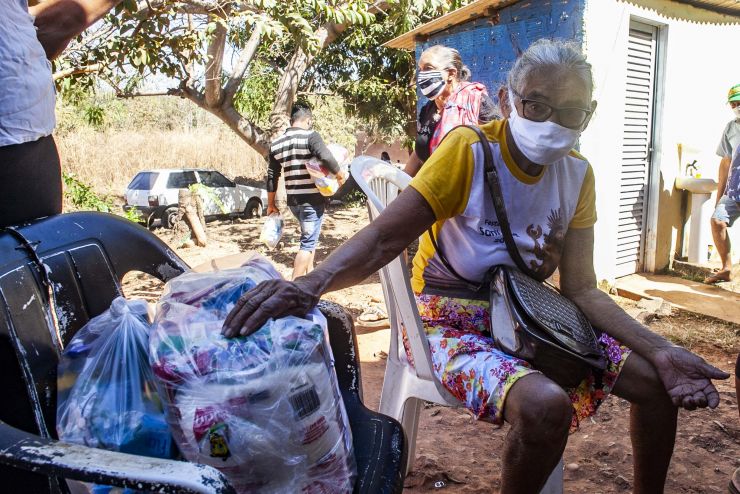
[
  {"x": 255, "y": 97},
  {"x": 83, "y": 197},
  {"x": 95, "y": 116},
  {"x": 133, "y": 215},
  {"x": 208, "y": 193},
  {"x": 332, "y": 121},
  {"x": 355, "y": 198},
  {"x": 376, "y": 82},
  {"x": 170, "y": 40}
]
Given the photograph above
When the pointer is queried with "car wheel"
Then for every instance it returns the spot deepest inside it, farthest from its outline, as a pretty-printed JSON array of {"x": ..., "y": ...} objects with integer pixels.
[
  {"x": 169, "y": 217},
  {"x": 253, "y": 209}
]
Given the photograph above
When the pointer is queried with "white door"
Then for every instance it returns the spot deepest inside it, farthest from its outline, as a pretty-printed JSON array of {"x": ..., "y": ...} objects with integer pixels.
[
  {"x": 221, "y": 195},
  {"x": 637, "y": 138}
]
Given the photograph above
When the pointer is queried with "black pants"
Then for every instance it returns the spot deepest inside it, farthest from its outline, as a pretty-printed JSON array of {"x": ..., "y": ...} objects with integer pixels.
[{"x": 30, "y": 181}]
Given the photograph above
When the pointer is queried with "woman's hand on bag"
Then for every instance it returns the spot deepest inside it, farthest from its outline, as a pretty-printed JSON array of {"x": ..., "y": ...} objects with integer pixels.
[
  {"x": 688, "y": 378},
  {"x": 269, "y": 299},
  {"x": 271, "y": 208}
]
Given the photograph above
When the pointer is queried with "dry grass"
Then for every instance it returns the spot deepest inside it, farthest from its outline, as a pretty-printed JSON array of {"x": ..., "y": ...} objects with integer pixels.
[
  {"x": 690, "y": 330},
  {"x": 695, "y": 331},
  {"x": 109, "y": 160}
]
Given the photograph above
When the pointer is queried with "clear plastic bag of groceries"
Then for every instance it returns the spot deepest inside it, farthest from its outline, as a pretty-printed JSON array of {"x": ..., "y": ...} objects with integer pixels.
[
  {"x": 272, "y": 230},
  {"x": 264, "y": 409},
  {"x": 325, "y": 180},
  {"x": 106, "y": 389}
]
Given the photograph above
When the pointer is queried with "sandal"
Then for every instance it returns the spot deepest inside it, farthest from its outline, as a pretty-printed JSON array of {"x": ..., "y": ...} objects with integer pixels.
[
  {"x": 718, "y": 277},
  {"x": 373, "y": 317}
]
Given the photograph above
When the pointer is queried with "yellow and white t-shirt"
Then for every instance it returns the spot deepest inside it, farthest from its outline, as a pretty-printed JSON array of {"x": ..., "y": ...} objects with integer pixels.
[{"x": 540, "y": 210}]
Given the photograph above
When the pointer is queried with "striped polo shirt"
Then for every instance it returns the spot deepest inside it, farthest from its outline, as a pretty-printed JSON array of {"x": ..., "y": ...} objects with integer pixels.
[{"x": 289, "y": 154}]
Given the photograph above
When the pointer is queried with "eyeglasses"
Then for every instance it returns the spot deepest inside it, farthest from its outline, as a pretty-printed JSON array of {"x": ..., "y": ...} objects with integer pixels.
[{"x": 538, "y": 111}]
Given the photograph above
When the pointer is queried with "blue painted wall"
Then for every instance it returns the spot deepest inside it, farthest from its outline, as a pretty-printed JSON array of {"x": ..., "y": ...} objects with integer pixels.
[{"x": 489, "y": 48}]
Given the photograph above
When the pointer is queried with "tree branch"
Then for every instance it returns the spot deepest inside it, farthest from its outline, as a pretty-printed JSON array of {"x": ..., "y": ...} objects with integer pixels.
[
  {"x": 169, "y": 92},
  {"x": 151, "y": 8},
  {"x": 214, "y": 64},
  {"x": 250, "y": 133},
  {"x": 245, "y": 59},
  {"x": 88, "y": 69}
]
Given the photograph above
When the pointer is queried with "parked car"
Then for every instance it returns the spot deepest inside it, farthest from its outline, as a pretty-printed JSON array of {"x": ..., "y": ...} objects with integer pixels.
[{"x": 154, "y": 194}]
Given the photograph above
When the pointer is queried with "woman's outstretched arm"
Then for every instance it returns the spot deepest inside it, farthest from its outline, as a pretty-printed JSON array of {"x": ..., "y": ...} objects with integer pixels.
[
  {"x": 687, "y": 377},
  {"x": 404, "y": 220}
]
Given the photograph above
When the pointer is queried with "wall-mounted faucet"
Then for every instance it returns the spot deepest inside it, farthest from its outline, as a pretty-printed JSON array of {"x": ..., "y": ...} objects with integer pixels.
[{"x": 693, "y": 167}]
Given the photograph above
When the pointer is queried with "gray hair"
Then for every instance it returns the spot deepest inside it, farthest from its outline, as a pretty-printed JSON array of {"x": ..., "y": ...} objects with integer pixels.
[
  {"x": 446, "y": 58},
  {"x": 551, "y": 53}
]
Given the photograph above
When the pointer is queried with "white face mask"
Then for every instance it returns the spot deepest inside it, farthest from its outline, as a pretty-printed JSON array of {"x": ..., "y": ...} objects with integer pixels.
[
  {"x": 541, "y": 142},
  {"x": 736, "y": 110}
]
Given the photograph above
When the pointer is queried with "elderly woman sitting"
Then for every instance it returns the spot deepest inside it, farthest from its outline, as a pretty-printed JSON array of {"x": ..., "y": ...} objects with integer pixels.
[{"x": 549, "y": 195}]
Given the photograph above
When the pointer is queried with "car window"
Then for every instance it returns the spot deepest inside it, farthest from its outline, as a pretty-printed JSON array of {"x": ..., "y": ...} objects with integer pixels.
[
  {"x": 181, "y": 180},
  {"x": 143, "y": 181},
  {"x": 214, "y": 179}
]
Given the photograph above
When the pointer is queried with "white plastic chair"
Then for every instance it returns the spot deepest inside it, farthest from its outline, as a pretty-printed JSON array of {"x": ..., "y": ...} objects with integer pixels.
[{"x": 406, "y": 387}]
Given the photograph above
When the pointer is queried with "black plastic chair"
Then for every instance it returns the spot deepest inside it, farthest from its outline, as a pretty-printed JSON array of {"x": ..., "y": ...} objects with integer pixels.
[{"x": 56, "y": 274}]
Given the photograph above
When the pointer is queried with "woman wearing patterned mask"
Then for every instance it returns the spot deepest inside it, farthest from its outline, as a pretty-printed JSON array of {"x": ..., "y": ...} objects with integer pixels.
[
  {"x": 453, "y": 101},
  {"x": 548, "y": 192}
]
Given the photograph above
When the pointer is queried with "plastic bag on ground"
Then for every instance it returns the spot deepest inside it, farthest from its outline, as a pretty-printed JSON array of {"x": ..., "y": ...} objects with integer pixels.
[
  {"x": 263, "y": 409},
  {"x": 106, "y": 389},
  {"x": 324, "y": 180},
  {"x": 272, "y": 230}
]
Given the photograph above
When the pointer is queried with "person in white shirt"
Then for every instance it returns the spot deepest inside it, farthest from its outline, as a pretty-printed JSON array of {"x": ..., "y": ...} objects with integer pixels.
[
  {"x": 30, "y": 174},
  {"x": 727, "y": 208}
]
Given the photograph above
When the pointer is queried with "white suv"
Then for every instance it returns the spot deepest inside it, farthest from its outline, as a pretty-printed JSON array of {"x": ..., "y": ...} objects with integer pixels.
[{"x": 154, "y": 194}]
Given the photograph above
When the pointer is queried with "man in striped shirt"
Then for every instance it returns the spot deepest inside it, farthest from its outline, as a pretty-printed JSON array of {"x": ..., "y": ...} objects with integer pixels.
[{"x": 289, "y": 153}]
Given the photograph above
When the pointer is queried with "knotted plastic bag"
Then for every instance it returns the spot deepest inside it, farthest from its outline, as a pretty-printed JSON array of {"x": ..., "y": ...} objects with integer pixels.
[
  {"x": 272, "y": 230},
  {"x": 264, "y": 409},
  {"x": 106, "y": 391}
]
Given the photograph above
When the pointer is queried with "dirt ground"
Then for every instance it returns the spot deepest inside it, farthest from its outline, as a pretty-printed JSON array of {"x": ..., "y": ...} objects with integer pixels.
[{"x": 458, "y": 455}]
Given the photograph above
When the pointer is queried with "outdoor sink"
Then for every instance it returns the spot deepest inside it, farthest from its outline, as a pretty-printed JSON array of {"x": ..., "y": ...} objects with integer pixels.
[
  {"x": 696, "y": 185},
  {"x": 701, "y": 211}
]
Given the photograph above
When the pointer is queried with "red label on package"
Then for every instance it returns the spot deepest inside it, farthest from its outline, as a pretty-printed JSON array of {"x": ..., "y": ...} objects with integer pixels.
[
  {"x": 205, "y": 418},
  {"x": 315, "y": 431}
]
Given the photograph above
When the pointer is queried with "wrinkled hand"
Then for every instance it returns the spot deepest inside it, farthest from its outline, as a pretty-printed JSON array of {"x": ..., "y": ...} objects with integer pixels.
[
  {"x": 269, "y": 299},
  {"x": 687, "y": 378}
]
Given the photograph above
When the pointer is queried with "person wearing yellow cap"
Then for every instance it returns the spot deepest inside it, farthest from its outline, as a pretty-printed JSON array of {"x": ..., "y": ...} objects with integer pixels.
[{"x": 727, "y": 209}]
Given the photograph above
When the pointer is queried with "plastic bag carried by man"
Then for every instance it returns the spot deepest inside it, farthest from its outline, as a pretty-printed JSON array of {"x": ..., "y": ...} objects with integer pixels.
[{"x": 326, "y": 181}]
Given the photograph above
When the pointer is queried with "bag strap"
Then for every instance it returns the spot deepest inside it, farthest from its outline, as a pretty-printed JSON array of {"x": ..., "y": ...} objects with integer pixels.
[
  {"x": 494, "y": 189},
  {"x": 472, "y": 285}
]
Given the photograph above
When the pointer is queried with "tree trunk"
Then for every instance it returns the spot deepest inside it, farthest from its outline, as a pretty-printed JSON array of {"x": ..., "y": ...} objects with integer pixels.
[
  {"x": 286, "y": 95},
  {"x": 214, "y": 63},
  {"x": 187, "y": 203}
]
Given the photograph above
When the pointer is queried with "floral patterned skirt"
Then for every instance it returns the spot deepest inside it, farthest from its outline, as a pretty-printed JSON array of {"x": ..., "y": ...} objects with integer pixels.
[{"x": 468, "y": 364}]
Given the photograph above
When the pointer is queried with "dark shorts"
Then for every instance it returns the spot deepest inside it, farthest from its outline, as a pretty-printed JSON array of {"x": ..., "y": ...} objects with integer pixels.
[
  {"x": 310, "y": 217},
  {"x": 30, "y": 181}
]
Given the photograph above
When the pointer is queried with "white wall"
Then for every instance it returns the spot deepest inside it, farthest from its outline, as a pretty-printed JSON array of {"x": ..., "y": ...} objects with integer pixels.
[{"x": 698, "y": 72}]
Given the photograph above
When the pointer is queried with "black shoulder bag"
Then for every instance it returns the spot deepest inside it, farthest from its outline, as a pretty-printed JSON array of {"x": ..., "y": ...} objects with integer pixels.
[{"x": 531, "y": 320}]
